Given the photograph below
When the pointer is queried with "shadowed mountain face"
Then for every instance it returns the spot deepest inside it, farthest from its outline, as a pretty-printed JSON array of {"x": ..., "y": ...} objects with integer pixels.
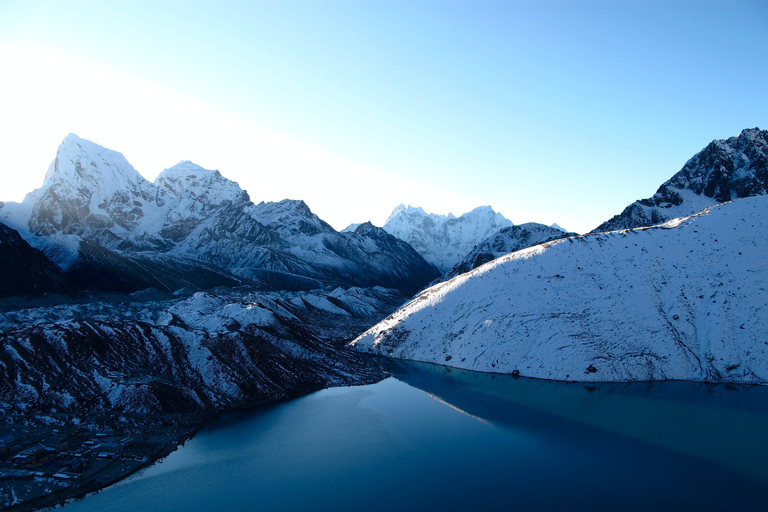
[
  {"x": 725, "y": 170},
  {"x": 104, "y": 224},
  {"x": 26, "y": 270}
]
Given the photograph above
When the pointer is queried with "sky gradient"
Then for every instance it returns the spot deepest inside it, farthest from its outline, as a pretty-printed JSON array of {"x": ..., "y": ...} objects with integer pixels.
[{"x": 548, "y": 111}]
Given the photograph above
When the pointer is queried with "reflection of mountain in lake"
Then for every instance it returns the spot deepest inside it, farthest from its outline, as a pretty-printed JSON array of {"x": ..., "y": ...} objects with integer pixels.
[{"x": 720, "y": 423}]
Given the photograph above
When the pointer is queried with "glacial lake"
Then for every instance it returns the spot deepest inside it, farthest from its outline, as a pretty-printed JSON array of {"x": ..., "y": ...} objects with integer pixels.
[{"x": 444, "y": 439}]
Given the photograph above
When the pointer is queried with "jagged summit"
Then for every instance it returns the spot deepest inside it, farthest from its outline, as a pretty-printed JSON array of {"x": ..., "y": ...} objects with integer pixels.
[
  {"x": 407, "y": 211},
  {"x": 87, "y": 186},
  {"x": 189, "y": 179},
  {"x": 364, "y": 227},
  {"x": 291, "y": 217},
  {"x": 728, "y": 169},
  {"x": 84, "y": 162},
  {"x": 444, "y": 240}
]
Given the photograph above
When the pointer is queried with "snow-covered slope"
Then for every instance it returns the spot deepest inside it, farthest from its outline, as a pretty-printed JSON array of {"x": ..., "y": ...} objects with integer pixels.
[
  {"x": 725, "y": 170},
  {"x": 443, "y": 240},
  {"x": 96, "y": 216},
  {"x": 685, "y": 300},
  {"x": 504, "y": 241}
]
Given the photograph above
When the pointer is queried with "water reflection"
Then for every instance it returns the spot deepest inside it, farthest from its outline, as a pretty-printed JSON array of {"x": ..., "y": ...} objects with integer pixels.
[{"x": 721, "y": 423}]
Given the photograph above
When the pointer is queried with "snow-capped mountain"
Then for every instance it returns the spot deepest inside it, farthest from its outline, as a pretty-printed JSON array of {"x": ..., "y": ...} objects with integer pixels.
[
  {"x": 504, "y": 241},
  {"x": 684, "y": 300},
  {"x": 725, "y": 170},
  {"x": 443, "y": 240},
  {"x": 99, "y": 219},
  {"x": 557, "y": 226}
]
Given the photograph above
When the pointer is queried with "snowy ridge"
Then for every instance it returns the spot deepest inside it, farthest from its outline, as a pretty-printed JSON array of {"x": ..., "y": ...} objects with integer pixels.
[
  {"x": 504, "y": 241},
  {"x": 723, "y": 171},
  {"x": 686, "y": 300},
  {"x": 443, "y": 240}
]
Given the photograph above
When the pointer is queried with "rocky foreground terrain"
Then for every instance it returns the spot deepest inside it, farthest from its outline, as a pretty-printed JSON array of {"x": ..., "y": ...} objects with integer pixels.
[{"x": 94, "y": 389}]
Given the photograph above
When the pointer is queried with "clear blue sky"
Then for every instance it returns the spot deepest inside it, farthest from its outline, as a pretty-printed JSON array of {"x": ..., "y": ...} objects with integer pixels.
[{"x": 548, "y": 111}]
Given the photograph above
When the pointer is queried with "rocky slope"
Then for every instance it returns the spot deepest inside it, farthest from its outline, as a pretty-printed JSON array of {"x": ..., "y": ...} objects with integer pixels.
[
  {"x": 725, "y": 170},
  {"x": 504, "y": 241},
  {"x": 684, "y": 300},
  {"x": 444, "y": 240},
  {"x": 96, "y": 216},
  {"x": 204, "y": 353}
]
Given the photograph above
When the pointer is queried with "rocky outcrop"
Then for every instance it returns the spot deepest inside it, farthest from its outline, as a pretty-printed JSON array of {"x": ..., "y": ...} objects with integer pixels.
[
  {"x": 725, "y": 170},
  {"x": 205, "y": 353}
]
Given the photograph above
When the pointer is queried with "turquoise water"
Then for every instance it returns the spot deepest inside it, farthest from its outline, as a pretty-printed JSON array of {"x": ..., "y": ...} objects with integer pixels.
[{"x": 453, "y": 440}]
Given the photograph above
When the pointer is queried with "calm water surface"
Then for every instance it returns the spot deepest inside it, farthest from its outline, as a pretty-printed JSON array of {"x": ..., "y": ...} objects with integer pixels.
[{"x": 456, "y": 440}]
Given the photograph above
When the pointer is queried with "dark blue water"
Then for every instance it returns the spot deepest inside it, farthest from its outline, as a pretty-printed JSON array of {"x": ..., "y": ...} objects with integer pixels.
[{"x": 456, "y": 440}]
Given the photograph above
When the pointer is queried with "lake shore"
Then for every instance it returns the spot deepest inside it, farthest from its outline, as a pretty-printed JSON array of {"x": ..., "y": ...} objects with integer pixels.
[{"x": 50, "y": 459}]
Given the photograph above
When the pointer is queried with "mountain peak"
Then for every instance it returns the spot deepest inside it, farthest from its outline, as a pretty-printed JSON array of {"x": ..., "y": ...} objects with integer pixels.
[
  {"x": 84, "y": 162},
  {"x": 724, "y": 170},
  {"x": 402, "y": 210},
  {"x": 291, "y": 217},
  {"x": 444, "y": 239},
  {"x": 750, "y": 133},
  {"x": 189, "y": 179},
  {"x": 187, "y": 165},
  {"x": 86, "y": 184}
]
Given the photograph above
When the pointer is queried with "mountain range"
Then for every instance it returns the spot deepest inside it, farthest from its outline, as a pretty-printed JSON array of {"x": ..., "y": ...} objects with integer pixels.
[
  {"x": 181, "y": 295},
  {"x": 110, "y": 229}
]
